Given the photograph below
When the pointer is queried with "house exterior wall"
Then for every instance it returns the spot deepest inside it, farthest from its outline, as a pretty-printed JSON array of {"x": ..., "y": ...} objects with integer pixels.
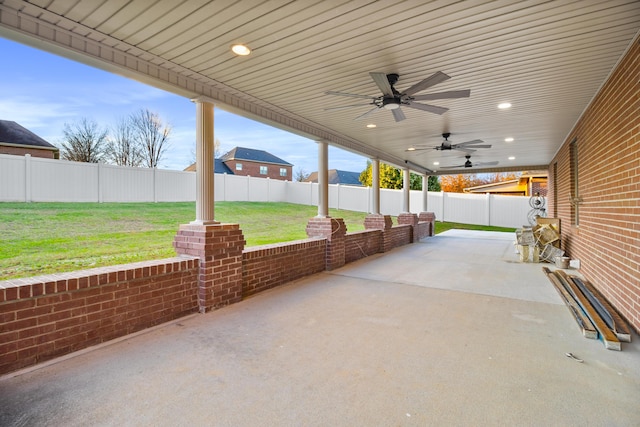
[
  {"x": 18, "y": 151},
  {"x": 250, "y": 168},
  {"x": 606, "y": 234}
]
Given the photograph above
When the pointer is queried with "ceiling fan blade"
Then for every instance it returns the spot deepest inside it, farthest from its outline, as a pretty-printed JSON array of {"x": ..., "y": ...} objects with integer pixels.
[
  {"x": 345, "y": 107},
  {"x": 473, "y": 146},
  {"x": 352, "y": 95},
  {"x": 368, "y": 113},
  {"x": 475, "y": 141},
  {"x": 452, "y": 94},
  {"x": 452, "y": 167},
  {"x": 466, "y": 150},
  {"x": 485, "y": 164},
  {"x": 381, "y": 80},
  {"x": 398, "y": 115},
  {"x": 427, "y": 107},
  {"x": 436, "y": 78}
]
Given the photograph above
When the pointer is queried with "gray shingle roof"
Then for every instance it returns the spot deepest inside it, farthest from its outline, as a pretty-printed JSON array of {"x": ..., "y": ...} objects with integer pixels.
[
  {"x": 336, "y": 176},
  {"x": 13, "y": 133},
  {"x": 242, "y": 153}
]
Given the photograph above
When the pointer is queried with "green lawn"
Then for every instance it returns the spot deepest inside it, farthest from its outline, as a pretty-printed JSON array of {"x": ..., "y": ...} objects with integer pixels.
[{"x": 41, "y": 238}]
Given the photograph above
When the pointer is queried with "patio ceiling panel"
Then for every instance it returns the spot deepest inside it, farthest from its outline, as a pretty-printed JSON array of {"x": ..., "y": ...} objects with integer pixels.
[{"x": 548, "y": 58}]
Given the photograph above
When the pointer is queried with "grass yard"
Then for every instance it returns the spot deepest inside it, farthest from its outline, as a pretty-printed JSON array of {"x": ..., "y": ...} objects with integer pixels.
[{"x": 42, "y": 238}]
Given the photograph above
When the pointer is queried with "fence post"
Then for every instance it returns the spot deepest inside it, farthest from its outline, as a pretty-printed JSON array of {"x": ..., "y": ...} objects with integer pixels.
[
  {"x": 27, "y": 178},
  {"x": 488, "y": 210},
  {"x": 100, "y": 196},
  {"x": 155, "y": 185}
]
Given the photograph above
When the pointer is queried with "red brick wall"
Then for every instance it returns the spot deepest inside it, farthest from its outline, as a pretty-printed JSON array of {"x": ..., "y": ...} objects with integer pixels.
[
  {"x": 265, "y": 267},
  {"x": 47, "y": 316},
  {"x": 46, "y": 154},
  {"x": 396, "y": 236},
  {"x": 362, "y": 244},
  {"x": 253, "y": 169},
  {"x": 607, "y": 239}
]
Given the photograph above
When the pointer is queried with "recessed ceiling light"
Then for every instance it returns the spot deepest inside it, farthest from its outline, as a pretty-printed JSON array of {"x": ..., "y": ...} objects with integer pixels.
[
  {"x": 504, "y": 105},
  {"x": 508, "y": 139},
  {"x": 436, "y": 163},
  {"x": 371, "y": 125},
  {"x": 240, "y": 49},
  {"x": 411, "y": 149},
  {"x": 512, "y": 158}
]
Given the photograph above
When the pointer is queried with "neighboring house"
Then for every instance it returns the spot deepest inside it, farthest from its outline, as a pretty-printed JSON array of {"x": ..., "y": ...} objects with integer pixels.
[
  {"x": 528, "y": 184},
  {"x": 249, "y": 162},
  {"x": 338, "y": 177},
  {"x": 14, "y": 139}
]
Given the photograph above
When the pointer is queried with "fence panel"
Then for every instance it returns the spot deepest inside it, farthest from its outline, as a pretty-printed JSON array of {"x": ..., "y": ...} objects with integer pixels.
[
  {"x": 175, "y": 186},
  {"x": 126, "y": 184},
  {"x": 278, "y": 190},
  {"x": 353, "y": 198},
  {"x": 236, "y": 188},
  {"x": 509, "y": 211},
  {"x": 13, "y": 178},
  {"x": 301, "y": 193},
  {"x": 47, "y": 180},
  {"x": 466, "y": 208},
  {"x": 63, "y": 181}
]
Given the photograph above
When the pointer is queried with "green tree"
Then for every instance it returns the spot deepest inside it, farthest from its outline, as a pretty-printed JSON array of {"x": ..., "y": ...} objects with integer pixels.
[{"x": 391, "y": 178}]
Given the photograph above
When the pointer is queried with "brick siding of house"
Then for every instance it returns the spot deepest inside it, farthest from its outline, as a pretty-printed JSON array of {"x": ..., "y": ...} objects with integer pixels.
[
  {"x": 250, "y": 168},
  {"x": 606, "y": 240},
  {"x": 18, "y": 151}
]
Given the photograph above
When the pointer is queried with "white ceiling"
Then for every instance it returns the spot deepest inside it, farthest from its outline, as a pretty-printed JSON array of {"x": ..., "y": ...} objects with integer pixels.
[{"x": 547, "y": 58}]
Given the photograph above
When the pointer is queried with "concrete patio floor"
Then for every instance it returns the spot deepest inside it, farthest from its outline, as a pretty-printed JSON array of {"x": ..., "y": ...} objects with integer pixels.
[{"x": 449, "y": 331}]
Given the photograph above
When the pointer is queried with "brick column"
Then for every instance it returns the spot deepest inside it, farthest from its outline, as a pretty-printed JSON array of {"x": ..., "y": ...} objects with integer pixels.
[
  {"x": 219, "y": 247},
  {"x": 412, "y": 220},
  {"x": 378, "y": 222},
  {"x": 429, "y": 217},
  {"x": 334, "y": 230}
]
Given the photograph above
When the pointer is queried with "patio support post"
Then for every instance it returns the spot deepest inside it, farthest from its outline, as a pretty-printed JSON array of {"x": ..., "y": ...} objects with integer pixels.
[
  {"x": 323, "y": 179},
  {"x": 323, "y": 226},
  {"x": 204, "y": 163},
  {"x": 217, "y": 246},
  {"x": 375, "y": 185},
  {"x": 376, "y": 221},
  {"x": 429, "y": 218},
  {"x": 406, "y": 217}
]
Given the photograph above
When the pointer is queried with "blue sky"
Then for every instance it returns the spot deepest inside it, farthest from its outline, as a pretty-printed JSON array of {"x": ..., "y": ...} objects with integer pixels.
[{"x": 42, "y": 91}]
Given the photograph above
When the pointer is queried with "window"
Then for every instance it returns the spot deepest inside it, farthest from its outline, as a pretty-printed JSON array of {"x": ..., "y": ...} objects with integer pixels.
[
  {"x": 283, "y": 171},
  {"x": 575, "y": 195},
  {"x": 263, "y": 170},
  {"x": 238, "y": 166}
]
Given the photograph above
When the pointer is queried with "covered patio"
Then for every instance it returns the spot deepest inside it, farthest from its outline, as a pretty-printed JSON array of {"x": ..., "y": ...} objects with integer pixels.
[{"x": 451, "y": 330}]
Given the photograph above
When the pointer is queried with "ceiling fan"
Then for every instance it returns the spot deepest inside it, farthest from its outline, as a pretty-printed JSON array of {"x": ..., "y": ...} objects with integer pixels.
[
  {"x": 392, "y": 99},
  {"x": 467, "y": 147},
  {"x": 469, "y": 164}
]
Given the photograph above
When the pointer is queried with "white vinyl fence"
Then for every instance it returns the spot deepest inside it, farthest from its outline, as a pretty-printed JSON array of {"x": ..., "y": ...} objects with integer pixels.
[{"x": 32, "y": 179}]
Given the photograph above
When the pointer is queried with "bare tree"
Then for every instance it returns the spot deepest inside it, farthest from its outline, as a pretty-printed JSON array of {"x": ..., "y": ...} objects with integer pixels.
[
  {"x": 123, "y": 148},
  {"x": 84, "y": 141},
  {"x": 152, "y": 135},
  {"x": 216, "y": 150},
  {"x": 301, "y": 175}
]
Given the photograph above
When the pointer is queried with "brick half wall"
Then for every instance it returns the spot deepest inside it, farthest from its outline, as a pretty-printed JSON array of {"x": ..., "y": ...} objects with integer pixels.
[
  {"x": 48, "y": 316},
  {"x": 362, "y": 244},
  {"x": 265, "y": 267}
]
